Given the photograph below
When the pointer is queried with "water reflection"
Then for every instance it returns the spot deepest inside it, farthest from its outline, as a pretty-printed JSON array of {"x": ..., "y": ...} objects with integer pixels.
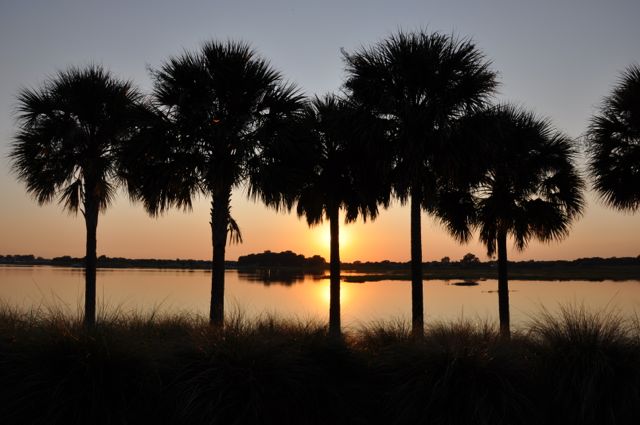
[
  {"x": 268, "y": 277},
  {"x": 302, "y": 297}
]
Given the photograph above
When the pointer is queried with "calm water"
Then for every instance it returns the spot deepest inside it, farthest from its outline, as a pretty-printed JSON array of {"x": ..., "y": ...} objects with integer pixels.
[{"x": 304, "y": 296}]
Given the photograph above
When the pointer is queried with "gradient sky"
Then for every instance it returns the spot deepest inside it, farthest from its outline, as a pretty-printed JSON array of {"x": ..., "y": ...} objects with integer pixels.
[{"x": 555, "y": 57}]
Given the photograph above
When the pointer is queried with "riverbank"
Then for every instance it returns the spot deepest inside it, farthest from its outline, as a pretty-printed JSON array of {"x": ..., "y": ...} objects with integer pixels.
[
  {"x": 577, "y": 368},
  {"x": 516, "y": 272}
]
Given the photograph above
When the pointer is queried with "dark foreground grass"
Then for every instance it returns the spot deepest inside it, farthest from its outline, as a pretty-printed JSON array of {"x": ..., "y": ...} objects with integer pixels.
[{"x": 573, "y": 368}]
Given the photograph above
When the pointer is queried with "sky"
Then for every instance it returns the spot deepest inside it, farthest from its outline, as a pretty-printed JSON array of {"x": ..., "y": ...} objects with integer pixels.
[{"x": 558, "y": 58}]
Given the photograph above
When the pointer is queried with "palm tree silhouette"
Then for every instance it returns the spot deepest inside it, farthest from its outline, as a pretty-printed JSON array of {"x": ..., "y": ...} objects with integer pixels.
[
  {"x": 419, "y": 83},
  {"x": 530, "y": 187},
  {"x": 613, "y": 144},
  {"x": 71, "y": 132},
  {"x": 330, "y": 163},
  {"x": 214, "y": 109}
]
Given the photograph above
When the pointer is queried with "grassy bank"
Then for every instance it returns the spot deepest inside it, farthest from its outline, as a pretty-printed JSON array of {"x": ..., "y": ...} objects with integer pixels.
[{"x": 576, "y": 368}]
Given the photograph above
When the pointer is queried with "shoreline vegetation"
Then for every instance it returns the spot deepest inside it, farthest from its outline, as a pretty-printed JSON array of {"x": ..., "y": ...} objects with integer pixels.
[
  {"x": 281, "y": 265},
  {"x": 576, "y": 367}
]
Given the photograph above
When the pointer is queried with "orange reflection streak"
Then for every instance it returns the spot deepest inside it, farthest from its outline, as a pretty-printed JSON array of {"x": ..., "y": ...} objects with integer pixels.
[
  {"x": 168, "y": 291},
  {"x": 323, "y": 293}
]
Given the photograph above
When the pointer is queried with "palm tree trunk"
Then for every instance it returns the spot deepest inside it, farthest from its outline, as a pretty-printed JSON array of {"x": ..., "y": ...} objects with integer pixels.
[
  {"x": 503, "y": 286},
  {"x": 219, "y": 227},
  {"x": 417, "y": 307},
  {"x": 91, "y": 210},
  {"x": 334, "y": 295}
]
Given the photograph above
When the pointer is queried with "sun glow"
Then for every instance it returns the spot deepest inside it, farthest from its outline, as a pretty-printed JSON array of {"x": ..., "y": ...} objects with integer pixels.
[
  {"x": 322, "y": 238},
  {"x": 326, "y": 237},
  {"x": 324, "y": 293}
]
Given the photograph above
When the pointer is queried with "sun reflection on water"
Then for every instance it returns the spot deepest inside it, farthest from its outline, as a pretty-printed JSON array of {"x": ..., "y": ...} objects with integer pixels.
[
  {"x": 323, "y": 293},
  {"x": 179, "y": 291}
]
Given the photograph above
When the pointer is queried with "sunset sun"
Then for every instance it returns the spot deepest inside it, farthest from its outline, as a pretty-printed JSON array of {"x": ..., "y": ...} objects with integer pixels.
[{"x": 322, "y": 239}]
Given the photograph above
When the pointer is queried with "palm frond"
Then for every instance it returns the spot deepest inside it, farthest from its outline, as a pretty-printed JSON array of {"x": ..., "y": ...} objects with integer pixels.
[
  {"x": 72, "y": 196},
  {"x": 70, "y": 130},
  {"x": 613, "y": 144},
  {"x": 235, "y": 236},
  {"x": 217, "y": 110},
  {"x": 531, "y": 187},
  {"x": 419, "y": 84}
]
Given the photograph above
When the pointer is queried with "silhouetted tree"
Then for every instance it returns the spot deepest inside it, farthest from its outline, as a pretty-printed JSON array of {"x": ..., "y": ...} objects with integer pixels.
[
  {"x": 419, "y": 83},
  {"x": 530, "y": 189},
  {"x": 614, "y": 144},
  {"x": 67, "y": 147},
  {"x": 332, "y": 163},
  {"x": 214, "y": 109},
  {"x": 469, "y": 259}
]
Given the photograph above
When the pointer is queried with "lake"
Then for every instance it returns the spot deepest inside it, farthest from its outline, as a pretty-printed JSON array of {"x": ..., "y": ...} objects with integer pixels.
[{"x": 304, "y": 297}]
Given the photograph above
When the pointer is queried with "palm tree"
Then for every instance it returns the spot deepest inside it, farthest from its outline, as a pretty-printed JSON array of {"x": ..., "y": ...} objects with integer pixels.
[
  {"x": 530, "y": 188},
  {"x": 614, "y": 144},
  {"x": 214, "y": 108},
  {"x": 67, "y": 147},
  {"x": 420, "y": 83},
  {"x": 330, "y": 163}
]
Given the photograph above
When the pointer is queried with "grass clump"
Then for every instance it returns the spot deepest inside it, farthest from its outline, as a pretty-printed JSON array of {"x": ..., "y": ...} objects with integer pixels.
[
  {"x": 588, "y": 365},
  {"x": 55, "y": 372},
  {"x": 459, "y": 373},
  {"x": 574, "y": 367}
]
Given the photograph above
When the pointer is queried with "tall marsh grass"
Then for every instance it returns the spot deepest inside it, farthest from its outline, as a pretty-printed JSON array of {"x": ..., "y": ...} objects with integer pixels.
[{"x": 574, "y": 367}]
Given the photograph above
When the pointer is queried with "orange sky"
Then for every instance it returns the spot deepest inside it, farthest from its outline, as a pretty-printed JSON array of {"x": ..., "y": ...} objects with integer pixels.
[
  {"x": 125, "y": 230},
  {"x": 557, "y": 59}
]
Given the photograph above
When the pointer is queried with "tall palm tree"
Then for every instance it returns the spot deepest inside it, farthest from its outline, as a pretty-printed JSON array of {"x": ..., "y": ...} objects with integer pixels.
[
  {"x": 67, "y": 147},
  {"x": 420, "y": 83},
  {"x": 614, "y": 144},
  {"x": 530, "y": 187},
  {"x": 215, "y": 107},
  {"x": 331, "y": 163}
]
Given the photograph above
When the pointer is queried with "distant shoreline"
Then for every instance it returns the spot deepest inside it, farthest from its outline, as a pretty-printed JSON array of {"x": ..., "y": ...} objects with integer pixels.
[
  {"x": 592, "y": 269},
  {"x": 590, "y": 273}
]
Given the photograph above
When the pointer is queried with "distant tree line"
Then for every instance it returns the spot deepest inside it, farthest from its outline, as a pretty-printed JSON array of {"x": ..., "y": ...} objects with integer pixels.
[
  {"x": 289, "y": 259},
  {"x": 23, "y": 259},
  {"x": 112, "y": 262},
  {"x": 475, "y": 262}
]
